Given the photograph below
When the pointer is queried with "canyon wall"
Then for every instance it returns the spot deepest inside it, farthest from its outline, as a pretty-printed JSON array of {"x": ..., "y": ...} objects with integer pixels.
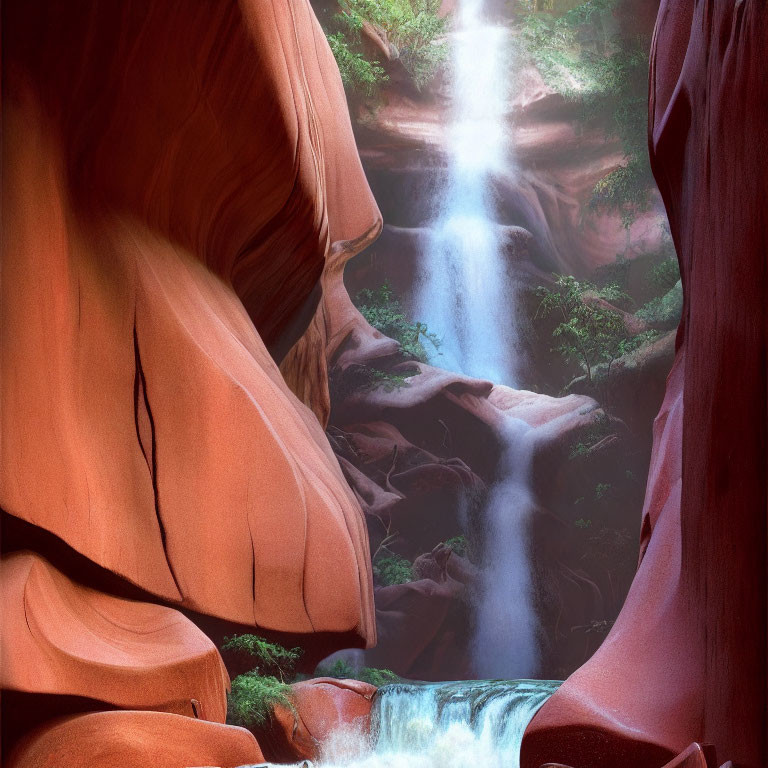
[
  {"x": 686, "y": 659},
  {"x": 174, "y": 176}
]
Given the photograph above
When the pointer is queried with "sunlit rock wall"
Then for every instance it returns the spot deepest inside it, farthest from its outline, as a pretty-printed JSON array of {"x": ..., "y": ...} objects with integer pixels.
[{"x": 174, "y": 177}]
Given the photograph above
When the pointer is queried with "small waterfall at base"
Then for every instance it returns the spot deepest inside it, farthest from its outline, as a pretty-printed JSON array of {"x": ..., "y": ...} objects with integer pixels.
[{"x": 446, "y": 725}]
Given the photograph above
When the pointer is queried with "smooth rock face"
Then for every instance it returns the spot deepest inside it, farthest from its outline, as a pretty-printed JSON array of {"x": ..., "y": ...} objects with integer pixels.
[
  {"x": 172, "y": 177},
  {"x": 686, "y": 658},
  {"x": 136, "y": 740},
  {"x": 323, "y": 707},
  {"x": 59, "y": 637}
]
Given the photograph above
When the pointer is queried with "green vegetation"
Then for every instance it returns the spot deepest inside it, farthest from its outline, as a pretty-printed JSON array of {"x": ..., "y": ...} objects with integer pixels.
[
  {"x": 607, "y": 76},
  {"x": 591, "y": 332},
  {"x": 598, "y": 430},
  {"x": 602, "y": 490},
  {"x": 345, "y": 671},
  {"x": 392, "y": 569},
  {"x": 252, "y": 698},
  {"x": 255, "y": 693},
  {"x": 664, "y": 311},
  {"x": 411, "y": 27},
  {"x": 383, "y": 310},
  {"x": 269, "y": 658},
  {"x": 459, "y": 545},
  {"x": 359, "y": 75}
]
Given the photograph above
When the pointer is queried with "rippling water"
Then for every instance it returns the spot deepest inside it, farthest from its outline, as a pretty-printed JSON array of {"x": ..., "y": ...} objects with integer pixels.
[{"x": 443, "y": 725}]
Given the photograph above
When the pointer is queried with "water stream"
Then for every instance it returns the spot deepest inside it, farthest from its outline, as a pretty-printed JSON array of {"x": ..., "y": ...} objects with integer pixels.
[
  {"x": 444, "y": 725},
  {"x": 462, "y": 291}
]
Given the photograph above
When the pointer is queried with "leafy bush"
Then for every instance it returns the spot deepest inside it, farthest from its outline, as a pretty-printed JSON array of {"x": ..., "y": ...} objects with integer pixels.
[
  {"x": 344, "y": 671},
  {"x": 389, "y": 570},
  {"x": 271, "y": 658},
  {"x": 664, "y": 311},
  {"x": 665, "y": 274},
  {"x": 607, "y": 76},
  {"x": 383, "y": 310},
  {"x": 590, "y": 333},
  {"x": 411, "y": 26},
  {"x": 459, "y": 545},
  {"x": 253, "y": 697},
  {"x": 358, "y": 74}
]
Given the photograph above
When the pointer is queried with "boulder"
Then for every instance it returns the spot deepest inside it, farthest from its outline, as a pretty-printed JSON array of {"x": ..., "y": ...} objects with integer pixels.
[
  {"x": 135, "y": 739},
  {"x": 322, "y": 709},
  {"x": 59, "y": 637}
]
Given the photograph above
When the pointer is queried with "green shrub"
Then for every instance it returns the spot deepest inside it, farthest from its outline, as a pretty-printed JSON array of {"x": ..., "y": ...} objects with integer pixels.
[
  {"x": 591, "y": 335},
  {"x": 665, "y": 274},
  {"x": 459, "y": 545},
  {"x": 607, "y": 76},
  {"x": 389, "y": 570},
  {"x": 344, "y": 671},
  {"x": 358, "y": 74},
  {"x": 383, "y": 310},
  {"x": 664, "y": 311},
  {"x": 411, "y": 26},
  {"x": 253, "y": 697},
  {"x": 270, "y": 658}
]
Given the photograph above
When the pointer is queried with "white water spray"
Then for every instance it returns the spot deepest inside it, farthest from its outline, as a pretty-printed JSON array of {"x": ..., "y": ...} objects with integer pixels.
[
  {"x": 443, "y": 725},
  {"x": 463, "y": 294}
]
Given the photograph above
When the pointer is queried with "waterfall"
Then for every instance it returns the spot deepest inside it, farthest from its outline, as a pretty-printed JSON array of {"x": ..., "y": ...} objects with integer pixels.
[
  {"x": 505, "y": 623},
  {"x": 445, "y": 725},
  {"x": 463, "y": 293}
]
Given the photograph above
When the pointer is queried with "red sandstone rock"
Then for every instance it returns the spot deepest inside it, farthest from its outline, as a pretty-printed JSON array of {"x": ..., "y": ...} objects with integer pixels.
[
  {"x": 686, "y": 658},
  {"x": 322, "y": 707},
  {"x": 59, "y": 637},
  {"x": 171, "y": 177},
  {"x": 135, "y": 740},
  {"x": 696, "y": 756}
]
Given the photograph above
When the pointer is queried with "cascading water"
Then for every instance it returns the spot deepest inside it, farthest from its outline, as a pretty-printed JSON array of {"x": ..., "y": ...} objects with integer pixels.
[
  {"x": 444, "y": 725},
  {"x": 505, "y": 633},
  {"x": 463, "y": 293}
]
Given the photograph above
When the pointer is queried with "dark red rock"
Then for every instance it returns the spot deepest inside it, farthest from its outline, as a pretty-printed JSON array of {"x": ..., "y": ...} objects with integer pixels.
[{"x": 686, "y": 659}]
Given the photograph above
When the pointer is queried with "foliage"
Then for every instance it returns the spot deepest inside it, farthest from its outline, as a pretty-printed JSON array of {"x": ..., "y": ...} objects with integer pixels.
[
  {"x": 345, "y": 671},
  {"x": 459, "y": 545},
  {"x": 383, "y": 310},
  {"x": 253, "y": 697},
  {"x": 389, "y": 570},
  {"x": 270, "y": 658},
  {"x": 665, "y": 274},
  {"x": 365, "y": 378},
  {"x": 602, "y": 490},
  {"x": 607, "y": 76},
  {"x": 664, "y": 311},
  {"x": 591, "y": 333},
  {"x": 600, "y": 428},
  {"x": 582, "y": 523},
  {"x": 358, "y": 74},
  {"x": 412, "y": 27}
]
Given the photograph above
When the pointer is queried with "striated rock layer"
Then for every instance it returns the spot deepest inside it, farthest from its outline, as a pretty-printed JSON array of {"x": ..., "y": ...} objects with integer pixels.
[
  {"x": 686, "y": 659},
  {"x": 174, "y": 175},
  {"x": 61, "y": 638}
]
